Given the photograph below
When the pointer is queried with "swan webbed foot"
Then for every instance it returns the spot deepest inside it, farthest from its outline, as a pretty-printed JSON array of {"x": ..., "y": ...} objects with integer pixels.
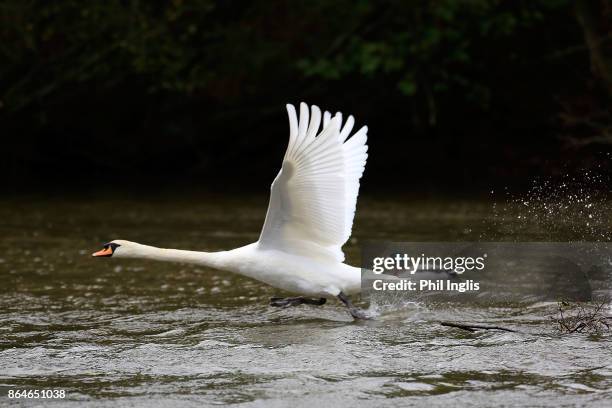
[
  {"x": 354, "y": 311},
  {"x": 296, "y": 301}
]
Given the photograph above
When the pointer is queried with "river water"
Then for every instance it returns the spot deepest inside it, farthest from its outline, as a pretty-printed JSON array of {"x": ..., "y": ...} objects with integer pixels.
[{"x": 116, "y": 333}]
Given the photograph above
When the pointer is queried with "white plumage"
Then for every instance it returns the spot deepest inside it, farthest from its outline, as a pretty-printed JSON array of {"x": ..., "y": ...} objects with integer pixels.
[
  {"x": 314, "y": 195},
  {"x": 309, "y": 218}
]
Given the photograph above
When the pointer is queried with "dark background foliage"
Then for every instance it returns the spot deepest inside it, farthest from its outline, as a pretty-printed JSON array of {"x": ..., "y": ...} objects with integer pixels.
[{"x": 458, "y": 95}]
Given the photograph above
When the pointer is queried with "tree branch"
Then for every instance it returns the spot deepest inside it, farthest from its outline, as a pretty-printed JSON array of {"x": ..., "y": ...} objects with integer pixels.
[{"x": 474, "y": 327}]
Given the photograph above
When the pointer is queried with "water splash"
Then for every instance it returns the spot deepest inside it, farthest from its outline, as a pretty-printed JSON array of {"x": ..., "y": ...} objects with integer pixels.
[{"x": 567, "y": 208}]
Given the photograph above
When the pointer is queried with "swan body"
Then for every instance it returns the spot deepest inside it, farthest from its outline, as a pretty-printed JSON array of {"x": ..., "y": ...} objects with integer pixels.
[
  {"x": 309, "y": 218},
  {"x": 292, "y": 273}
]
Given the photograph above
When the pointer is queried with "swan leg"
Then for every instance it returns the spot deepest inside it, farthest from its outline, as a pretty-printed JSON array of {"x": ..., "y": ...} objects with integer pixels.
[
  {"x": 354, "y": 311},
  {"x": 296, "y": 301}
]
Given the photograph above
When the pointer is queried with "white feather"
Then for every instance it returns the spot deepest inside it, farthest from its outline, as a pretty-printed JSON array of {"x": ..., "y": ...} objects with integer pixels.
[
  {"x": 309, "y": 218},
  {"x": 314, "y": 196}
]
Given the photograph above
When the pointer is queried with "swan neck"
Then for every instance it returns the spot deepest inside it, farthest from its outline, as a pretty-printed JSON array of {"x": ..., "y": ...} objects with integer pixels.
[{"x": 210, "y": 259}]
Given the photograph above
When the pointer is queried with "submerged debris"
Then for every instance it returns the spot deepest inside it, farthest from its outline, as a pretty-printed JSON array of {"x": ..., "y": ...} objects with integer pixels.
[
  {"x": 582, "y": 317},
  {"x": 475, "y": 327},
  {"x": 572, "y": 317}
]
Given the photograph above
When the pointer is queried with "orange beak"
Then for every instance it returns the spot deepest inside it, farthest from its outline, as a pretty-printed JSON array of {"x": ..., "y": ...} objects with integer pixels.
[{"x": 108, "y": 251}]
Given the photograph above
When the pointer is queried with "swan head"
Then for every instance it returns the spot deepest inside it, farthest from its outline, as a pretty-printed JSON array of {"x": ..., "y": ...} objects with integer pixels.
[{"x": 117, "y": 248}]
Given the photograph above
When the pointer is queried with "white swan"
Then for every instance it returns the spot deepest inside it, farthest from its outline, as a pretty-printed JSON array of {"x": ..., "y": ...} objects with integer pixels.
[{"x": 309, "y": 218}]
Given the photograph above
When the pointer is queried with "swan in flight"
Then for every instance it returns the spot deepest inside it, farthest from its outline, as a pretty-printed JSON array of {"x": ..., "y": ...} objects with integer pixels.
[{"x": 309, "y": 218}]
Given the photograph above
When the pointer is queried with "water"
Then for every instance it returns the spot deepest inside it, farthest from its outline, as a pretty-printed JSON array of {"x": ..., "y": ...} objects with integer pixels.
[{"x": 135, "y": 333}]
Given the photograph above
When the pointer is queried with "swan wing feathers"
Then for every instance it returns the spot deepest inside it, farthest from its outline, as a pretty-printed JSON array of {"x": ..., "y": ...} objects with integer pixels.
[{"x": 313, "y": 198}]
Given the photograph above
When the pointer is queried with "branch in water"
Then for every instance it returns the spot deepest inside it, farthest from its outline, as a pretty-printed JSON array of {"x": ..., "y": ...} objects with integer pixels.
[
  {"x": 581, "y": 317},
  {"x": 474, "y": 327}
]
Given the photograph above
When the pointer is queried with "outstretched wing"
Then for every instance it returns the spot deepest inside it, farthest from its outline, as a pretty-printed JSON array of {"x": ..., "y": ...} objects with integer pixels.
[{"x": 313, "y": 198}]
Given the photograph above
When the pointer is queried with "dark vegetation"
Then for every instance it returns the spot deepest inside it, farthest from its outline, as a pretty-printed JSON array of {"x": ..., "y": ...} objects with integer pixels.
[{"x": 458, "y": 95}]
